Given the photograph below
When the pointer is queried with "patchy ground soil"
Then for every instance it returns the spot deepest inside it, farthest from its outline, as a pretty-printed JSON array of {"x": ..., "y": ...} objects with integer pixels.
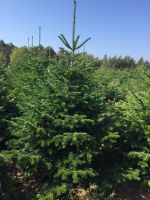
[{"x": 134, "y": 192}]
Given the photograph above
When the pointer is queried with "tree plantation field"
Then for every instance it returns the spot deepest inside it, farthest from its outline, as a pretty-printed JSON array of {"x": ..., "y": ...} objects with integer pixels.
[{"x": 73, "y": 126}]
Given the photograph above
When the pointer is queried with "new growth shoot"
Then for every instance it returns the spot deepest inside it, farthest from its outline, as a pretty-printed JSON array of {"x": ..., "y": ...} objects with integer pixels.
[{"x": 75, "y": 40}]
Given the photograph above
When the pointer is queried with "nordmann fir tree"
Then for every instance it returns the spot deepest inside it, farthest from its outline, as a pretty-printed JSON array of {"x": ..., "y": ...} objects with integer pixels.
[
  {"x": 29, "y": 89},
  {"x": 2, "y": 125},
  {"x": 7, "y": 110},
  {"x": 72, "y": 124},
  {"x": 134, "y": 113},
  {"x": 57, "y": 131},
  {"x": 2, "y": 106}
]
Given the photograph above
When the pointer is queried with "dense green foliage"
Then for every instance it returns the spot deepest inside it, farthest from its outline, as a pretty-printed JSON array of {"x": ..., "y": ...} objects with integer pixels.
[
  {"x": 72, "y": 124},
  {"x": 72, "y": 127}
]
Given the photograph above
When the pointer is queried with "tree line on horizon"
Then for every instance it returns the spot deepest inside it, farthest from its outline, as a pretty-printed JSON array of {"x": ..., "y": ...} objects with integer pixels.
[{"x": 10, "y": 52}]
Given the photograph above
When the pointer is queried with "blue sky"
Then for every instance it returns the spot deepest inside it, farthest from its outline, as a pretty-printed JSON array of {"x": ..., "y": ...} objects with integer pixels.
[{"x": 117, "y": 27}]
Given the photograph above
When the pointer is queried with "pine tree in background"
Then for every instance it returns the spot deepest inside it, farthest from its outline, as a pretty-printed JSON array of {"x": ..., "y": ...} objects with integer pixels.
[
  {"x": 5, "y": 52},
  {"x": 32, "y": 41},
  {"x": 28, "y": 42},
  {"x": 39, "y": 36}
]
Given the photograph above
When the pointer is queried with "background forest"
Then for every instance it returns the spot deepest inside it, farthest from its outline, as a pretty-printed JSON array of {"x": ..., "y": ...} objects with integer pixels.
[{"x": 72, "y": 126}]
